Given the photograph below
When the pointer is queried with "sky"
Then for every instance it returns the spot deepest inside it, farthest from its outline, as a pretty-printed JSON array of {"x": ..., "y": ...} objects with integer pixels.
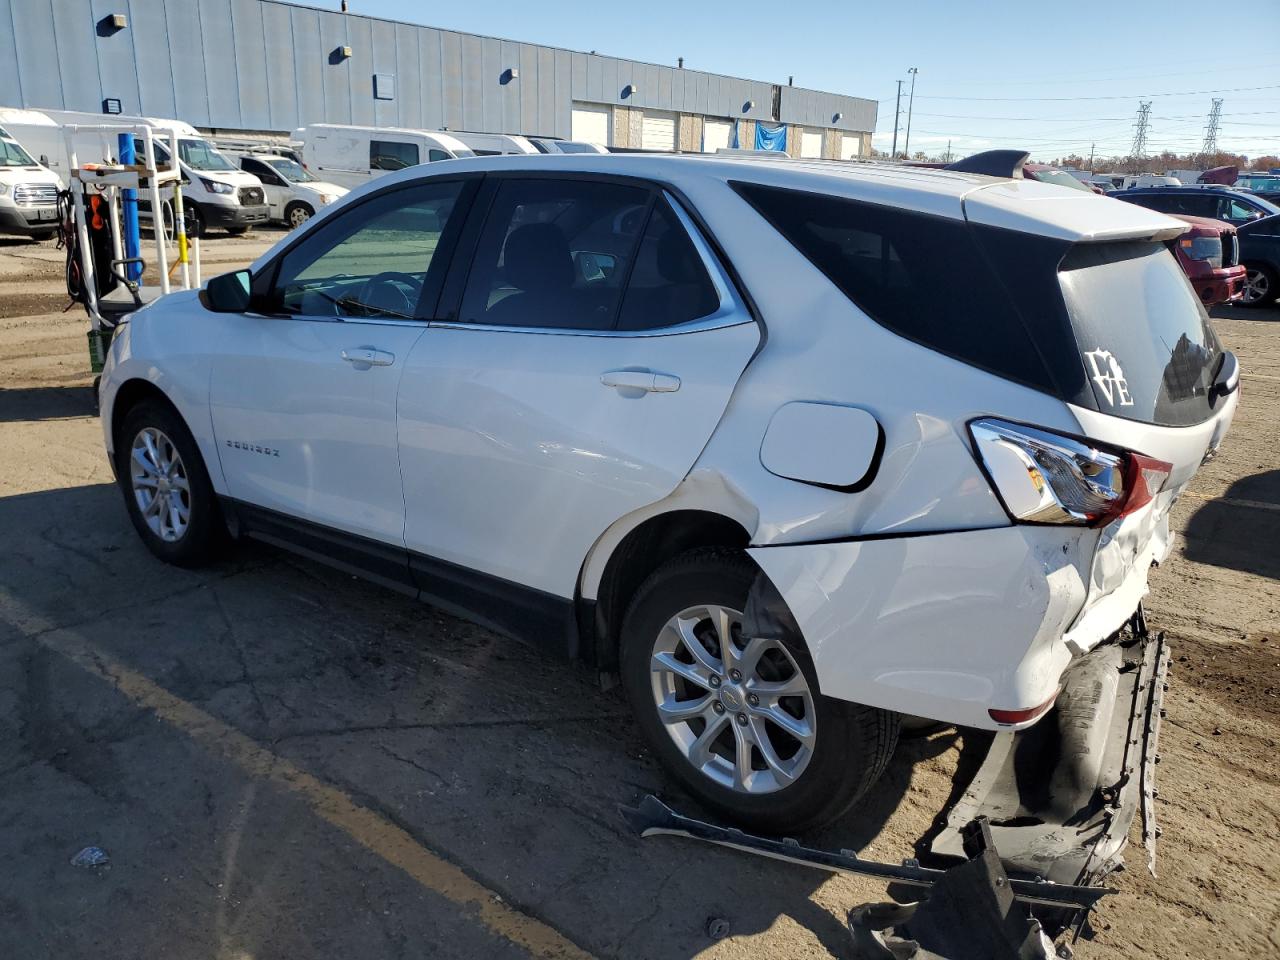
[{"x": 1052, "y": 78}]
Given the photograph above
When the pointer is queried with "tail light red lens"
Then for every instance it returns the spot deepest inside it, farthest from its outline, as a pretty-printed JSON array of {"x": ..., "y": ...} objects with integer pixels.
[
  {"x": 1045, "y": 477},
  {"x": 1022, "y": 716}
]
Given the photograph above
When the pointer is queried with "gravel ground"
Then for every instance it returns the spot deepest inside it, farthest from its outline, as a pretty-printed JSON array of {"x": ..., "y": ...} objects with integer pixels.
[{"x": 215, "y": 730}]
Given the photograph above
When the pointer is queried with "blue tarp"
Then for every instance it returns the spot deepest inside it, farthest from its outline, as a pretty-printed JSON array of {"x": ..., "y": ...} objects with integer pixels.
[{"x": 771, "y": 137}]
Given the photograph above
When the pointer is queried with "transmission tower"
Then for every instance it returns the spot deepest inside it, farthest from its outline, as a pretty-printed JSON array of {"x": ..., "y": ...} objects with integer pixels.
[
  {"x": 1139, "y": 148},
  {"x": 1210, "y": 146}
]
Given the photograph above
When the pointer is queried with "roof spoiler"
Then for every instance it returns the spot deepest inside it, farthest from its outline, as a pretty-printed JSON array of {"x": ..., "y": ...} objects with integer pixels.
[{"x": 993, "y": 163}]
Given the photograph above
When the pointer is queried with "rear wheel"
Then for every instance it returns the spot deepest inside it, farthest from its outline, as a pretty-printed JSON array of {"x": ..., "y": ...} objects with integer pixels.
[
  {"x": 40, "y": 236},
  {"x": 237, "y": 231},
  {"x": 166, "y": 487},
  {"x": 1260, "y": 288},
  {"x": 740, "y": 720}
]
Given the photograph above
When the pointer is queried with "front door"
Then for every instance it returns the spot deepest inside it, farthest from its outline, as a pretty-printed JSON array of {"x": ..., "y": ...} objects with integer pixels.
[
  {"x": 586, "y": 365},
  {"x": 304, "y": 401},
  {"x": 276, "y": 191}
]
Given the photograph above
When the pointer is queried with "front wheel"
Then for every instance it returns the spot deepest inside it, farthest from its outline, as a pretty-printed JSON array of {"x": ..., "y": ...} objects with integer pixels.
[
  {"x": 739, "y": 720},
  {"x": 297, "y": 214},
  {"x": 237, "y": 231},
  {"x": 166, "y": 488},
  {"x": 1260, "y": 288}
]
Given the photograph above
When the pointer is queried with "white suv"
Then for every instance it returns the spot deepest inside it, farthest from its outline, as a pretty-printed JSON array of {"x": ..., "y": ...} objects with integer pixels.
[{"x": 791, "y": 448}]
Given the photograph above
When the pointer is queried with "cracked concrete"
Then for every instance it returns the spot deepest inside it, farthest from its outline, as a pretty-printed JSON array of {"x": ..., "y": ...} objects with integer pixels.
[{"x": 486, "y": 753}]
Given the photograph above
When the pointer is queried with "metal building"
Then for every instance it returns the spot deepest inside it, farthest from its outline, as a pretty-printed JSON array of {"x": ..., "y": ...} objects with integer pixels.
[{"x": 264, "y": 65}]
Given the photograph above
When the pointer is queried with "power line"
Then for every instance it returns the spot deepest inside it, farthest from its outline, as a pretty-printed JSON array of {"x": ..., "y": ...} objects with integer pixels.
[{"x": 1118, "y": 96}]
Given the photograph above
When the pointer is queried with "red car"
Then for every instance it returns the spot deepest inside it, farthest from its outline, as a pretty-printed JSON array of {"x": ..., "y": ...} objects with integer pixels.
[{"x": 1210, "y": 257}]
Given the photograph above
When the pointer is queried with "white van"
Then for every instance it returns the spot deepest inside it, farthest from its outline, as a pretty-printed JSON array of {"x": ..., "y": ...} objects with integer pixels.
[
  {"x": 556, "y": 145},
  {"x": 218, "y": 194},
  {"x": 1149, "y": 180},
  {"x": 294, "y": 194},
  {"x": 352, "y": 156},
  {"x": 495, "y": 144},
  {"x": 28, "y": 193}
]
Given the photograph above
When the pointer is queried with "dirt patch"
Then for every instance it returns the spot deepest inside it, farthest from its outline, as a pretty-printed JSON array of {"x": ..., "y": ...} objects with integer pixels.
[{"x": 1243, "y": 675}]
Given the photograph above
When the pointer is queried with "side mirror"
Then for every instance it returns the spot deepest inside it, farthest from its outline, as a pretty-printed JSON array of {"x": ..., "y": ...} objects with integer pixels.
[
  {"x": 228, "y": 293},
  {"x": 1228, "y": 378}
]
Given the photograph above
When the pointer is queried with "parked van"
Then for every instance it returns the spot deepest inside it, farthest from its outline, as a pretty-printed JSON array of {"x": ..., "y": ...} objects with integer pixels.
[
  {"x": 352, "y": 156},
  {"x": 28, "y": 193},
  {"x": 218, "y": 193},
  {"x": 1148, "y": 180},
  {"x": 294, "y": 194},
  {"x": 556, "y": 145},
  {"x": 495, "y": 144}
]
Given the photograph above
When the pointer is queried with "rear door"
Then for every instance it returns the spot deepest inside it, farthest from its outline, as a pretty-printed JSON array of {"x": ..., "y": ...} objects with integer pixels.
[{"x": 576, "y": 372}]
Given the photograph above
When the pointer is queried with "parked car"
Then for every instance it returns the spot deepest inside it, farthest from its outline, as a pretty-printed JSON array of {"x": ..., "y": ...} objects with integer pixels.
[
  {"x": 1046, "y": 173},
  {"x": 28, "y": 193},
  {"x": 556, "y": 145},
  {"x": 1264, "y": 185},
  {"x": 1257, "y": 223},
  {"x": 216, "y": 192},
  {"x": 352, "y": 156},
  {"x": 774, "y": 443},
  {"x": 293, "y": 194},
  {"x": 1210, "y": 257},
  {"x": 494, "y": 144}
]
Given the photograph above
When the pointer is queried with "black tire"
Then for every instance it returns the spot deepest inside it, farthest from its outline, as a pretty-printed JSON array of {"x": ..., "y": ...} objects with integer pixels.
[
  {"x": 206, "y": 531},
  {"x": 1260, "y": 273},
  {"x": 41, "y": 236},
  {"x": 237, "y": 231},
  {"x": 297, "y": 213},
  {"x": 853, "y": 743}
]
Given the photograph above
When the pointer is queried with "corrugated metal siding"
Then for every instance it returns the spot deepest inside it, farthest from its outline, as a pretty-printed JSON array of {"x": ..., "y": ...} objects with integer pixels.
[{"x": 265, "y": 64}]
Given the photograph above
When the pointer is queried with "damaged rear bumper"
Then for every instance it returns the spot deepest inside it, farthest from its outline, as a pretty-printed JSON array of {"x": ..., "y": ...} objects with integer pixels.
[{"x": 1062, "y": 795}]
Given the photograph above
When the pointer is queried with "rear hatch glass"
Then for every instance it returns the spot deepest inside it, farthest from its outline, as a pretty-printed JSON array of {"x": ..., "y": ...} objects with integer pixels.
[{"x": 1148, "y": 349}]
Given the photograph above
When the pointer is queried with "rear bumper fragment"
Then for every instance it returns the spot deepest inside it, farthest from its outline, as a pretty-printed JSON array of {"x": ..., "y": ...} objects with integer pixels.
[{"x": 1062, "y": 794}]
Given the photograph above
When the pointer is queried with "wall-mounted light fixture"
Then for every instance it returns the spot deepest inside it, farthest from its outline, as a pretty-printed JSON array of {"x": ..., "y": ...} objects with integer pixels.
[
  {"x": 111, "y": 105},
  {"x": 343, "y": 53},
  {"x": 837, "y": 118},
  {"x": 630, "y": 90},
  {"x": 111, "y": 24},
  {"x": 509, "y": 74},
  {"x": 748, "y": 106}
]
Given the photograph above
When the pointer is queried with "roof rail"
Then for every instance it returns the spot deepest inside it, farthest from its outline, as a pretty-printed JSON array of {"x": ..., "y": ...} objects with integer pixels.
[{"x": 993, "y": 163}]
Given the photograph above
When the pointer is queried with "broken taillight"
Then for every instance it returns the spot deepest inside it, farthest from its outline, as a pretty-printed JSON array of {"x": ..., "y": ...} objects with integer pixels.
[{"x": 1046, "y": 477}]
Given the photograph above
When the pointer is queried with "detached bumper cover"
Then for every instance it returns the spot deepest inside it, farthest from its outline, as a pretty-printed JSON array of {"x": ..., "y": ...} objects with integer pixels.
[{"x": 1062, "y": 795}]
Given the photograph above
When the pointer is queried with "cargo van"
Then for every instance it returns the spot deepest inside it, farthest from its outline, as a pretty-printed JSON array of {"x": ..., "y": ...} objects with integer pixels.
[
  {"x": 495, "y": 144},
  {"x": 28, "y": 193},
  {"x": 217, "y": 192},
  {"x": 352, "y": 156}
]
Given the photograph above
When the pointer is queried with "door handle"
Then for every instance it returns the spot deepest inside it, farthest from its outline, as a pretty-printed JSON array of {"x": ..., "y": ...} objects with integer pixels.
[
  {"x": 368, "y": 357},
  {"x": 645, "y": 380}
]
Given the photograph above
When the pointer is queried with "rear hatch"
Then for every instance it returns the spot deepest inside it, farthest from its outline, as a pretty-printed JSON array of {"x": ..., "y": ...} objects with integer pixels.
[{"x": 1131, "y": 350}]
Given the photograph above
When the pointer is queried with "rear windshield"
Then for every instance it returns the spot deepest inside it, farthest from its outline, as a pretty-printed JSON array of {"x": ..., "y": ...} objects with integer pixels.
[
  {"x": 1159, "y": 369},
  {"x": 1112, "y": 327}
]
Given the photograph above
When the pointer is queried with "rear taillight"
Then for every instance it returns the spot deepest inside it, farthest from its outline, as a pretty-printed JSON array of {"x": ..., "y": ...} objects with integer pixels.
[
  {"x": 1045, "y": 477},
  {"x": 1203, "y": 248}
]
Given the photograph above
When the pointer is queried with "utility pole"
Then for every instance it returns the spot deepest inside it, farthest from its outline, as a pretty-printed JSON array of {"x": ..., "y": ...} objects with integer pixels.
[
  {"x": 1092, "y": 147},
  {"x": 1140, "y": 127},
  {"x": 906, "y": 147},
  {"x": 948, "y": 151},
  {"x": 1210, "y": 146},
  {"x": 897, "y": 112}
]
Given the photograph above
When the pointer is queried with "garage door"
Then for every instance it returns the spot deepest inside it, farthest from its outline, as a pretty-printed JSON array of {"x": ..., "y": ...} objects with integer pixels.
[
  {"x": 716, "y": 134},
  {"x": 589, "y": 124},
  {"x": 658, "y": 131},
  {"x": 850, "y": 146},
  {"x": 811, "y": 144}
]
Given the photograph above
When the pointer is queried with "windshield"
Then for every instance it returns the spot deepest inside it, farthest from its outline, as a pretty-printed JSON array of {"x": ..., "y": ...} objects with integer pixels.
[
  {"x": 200, "y": 155},
  {"x": 12, "y": 155},
  {"x": 288, "y": 169},
  {"x": 1145, "y": 339},
  {"x": 1061, "y": 178}
]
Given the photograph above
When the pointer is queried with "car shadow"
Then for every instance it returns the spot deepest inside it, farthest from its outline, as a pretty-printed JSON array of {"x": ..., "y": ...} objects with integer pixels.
[
  {"x": 500, "y": 759},
  {"x": 1240, "y": 529},
  {"x": 46, "y": 403}
]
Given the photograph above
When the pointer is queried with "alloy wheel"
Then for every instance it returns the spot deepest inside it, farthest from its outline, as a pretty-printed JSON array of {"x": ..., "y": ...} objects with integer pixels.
[
  {"x": 298, "y": 216},
  {"x": 1257, "y": 286},
  {"x": 160, "y": 484},
  {"x": 739, "y": 709}
]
